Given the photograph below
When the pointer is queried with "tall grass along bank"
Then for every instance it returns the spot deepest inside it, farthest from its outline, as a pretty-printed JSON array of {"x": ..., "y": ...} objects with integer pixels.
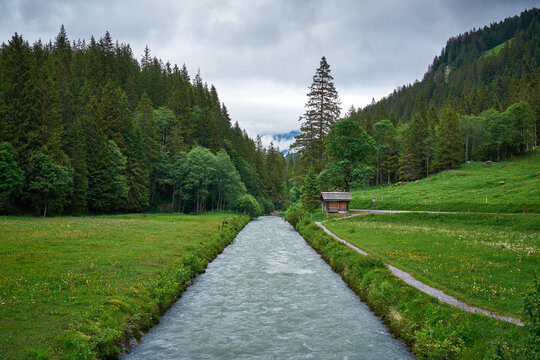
[{"x": 82, "y": 287}]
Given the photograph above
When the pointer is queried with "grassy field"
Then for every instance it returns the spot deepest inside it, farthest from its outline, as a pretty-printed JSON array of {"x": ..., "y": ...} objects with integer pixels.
[
  {"x": 432, "y": 329},
  {"x": 497, "y": 49},
  {"x": 76, "y": 287},
  {"x": 485, "y": 260},
  {"x": 508, "y": 186}
]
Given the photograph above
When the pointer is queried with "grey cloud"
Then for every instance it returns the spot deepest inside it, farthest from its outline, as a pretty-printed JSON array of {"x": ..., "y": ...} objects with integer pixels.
[{"x": 262, "y": 48}]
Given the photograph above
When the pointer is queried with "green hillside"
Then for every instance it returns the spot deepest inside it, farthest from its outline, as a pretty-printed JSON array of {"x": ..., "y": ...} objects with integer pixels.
[
  {"x": 507, "y": 186},
  {"x": 475, "y": 70},
  {"x": 497, "y": 49}
]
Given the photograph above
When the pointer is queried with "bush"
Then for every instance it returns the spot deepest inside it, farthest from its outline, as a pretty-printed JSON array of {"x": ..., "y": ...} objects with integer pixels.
[
  {"x": 246, "y": 204},
  {"x": 294, "y": 214},
  {"x": 267, "y": 206}
]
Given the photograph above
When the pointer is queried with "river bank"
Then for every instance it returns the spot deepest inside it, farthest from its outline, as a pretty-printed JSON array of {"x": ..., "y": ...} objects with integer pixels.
[
  {"x": 269, "y": 296},
  {"x": 83, "y": 287},
  {"x": 432, "y": 330}
]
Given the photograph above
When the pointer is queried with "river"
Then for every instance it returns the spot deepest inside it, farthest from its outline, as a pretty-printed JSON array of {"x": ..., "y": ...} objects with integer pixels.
[{"x": 269, "y": 295}]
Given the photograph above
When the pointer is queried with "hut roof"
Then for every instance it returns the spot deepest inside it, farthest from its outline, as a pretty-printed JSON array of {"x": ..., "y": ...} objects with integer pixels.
[{"x": 336, "y": 196}]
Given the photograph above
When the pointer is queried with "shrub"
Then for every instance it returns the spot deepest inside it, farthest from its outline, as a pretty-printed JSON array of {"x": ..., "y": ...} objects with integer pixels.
[
  {"x": 294, "y": 214},
  {"x": 246, "y": 204},
  {"x": 267, "y": 206}
]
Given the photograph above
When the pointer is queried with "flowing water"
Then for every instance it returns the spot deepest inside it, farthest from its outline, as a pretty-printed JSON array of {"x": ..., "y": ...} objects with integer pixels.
[{"x": 269, "y": 296}]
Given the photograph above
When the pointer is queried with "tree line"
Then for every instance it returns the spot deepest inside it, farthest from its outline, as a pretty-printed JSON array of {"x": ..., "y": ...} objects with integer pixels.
[{"x": 87, "y": 128}]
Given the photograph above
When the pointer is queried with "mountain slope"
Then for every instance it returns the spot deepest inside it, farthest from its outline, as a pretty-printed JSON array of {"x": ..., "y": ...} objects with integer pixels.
[{"x": 488, "y": 61}]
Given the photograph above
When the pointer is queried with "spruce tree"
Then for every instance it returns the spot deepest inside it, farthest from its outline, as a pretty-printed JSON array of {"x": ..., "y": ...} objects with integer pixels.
[
  {"x": 77, "y": 151},
  {"x": 310, "y": 191},
  {"x": 118, "y": 185},
  {"x": 11, "y": 175},
  {"x": 449, "y": 142},
  {"x": 322, "y": 110}
]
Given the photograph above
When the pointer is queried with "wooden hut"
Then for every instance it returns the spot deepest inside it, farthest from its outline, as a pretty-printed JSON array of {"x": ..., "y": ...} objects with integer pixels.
[{"x": 335, "y": 202}]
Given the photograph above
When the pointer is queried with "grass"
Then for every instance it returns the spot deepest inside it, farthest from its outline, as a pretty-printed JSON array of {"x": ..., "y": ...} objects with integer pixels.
[
  {"x": 433, "y": 330},
  {"x": 76, "y": 287},
  {"x": 485, "y": 260},
  {"x": 508, "y": 186},
  {"x": 497, "y": 49}
]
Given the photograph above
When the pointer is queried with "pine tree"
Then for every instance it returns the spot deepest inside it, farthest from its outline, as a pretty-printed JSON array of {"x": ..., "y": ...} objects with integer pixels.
[
  {"x": 137, "y": 175},
  {"x": 322, "y": 110},
  {"x": 449, "y": 142},
  {"x": 310, "y": 191},
  {"x": 118, "y": 185},
  {"x": 11, "y": 175}
]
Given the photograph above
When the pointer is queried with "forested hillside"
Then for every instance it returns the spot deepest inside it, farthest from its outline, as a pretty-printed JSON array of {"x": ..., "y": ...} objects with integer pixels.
[
  {"x": 495, "y": 66},
  {"x": 85, "y": 127},
  {"x": 479, "y": 100}
]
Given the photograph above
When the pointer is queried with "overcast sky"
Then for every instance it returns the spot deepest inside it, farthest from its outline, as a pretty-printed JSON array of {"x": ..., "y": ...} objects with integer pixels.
[{"x": 261, "y": 55}]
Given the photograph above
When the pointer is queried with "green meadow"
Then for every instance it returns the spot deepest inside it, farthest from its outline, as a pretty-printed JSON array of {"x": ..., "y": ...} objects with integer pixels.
[
  {"x": 497, "y": 49},
  {"x": 487, "y": 260},
  {"x": 433, "y": 330},
  {"x": 77, "y": 287},
  {"x": 511, "y": 185}
]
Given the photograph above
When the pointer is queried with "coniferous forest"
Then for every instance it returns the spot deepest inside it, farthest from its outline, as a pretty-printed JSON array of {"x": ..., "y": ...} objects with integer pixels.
[{"x": 87, "y": 128}]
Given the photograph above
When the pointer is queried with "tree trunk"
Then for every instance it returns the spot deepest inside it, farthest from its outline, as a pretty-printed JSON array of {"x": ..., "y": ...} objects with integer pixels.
[{"x": 45, "y": 210}]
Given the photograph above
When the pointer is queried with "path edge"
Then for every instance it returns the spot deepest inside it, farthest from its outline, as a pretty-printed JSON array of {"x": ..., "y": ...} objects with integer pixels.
[{"x": 426, "y": 289}]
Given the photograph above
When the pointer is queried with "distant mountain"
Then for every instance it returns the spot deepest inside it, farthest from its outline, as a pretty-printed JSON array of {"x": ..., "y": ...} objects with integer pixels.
[
  {"x": 283, "y": 141},
  {"x": 286, "y": 137}
]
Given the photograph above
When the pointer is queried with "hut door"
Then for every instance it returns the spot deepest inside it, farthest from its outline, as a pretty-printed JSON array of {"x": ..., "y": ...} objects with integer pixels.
[
  {"x": 343, "y": 206},
  {"x": 333, "y": 205}
]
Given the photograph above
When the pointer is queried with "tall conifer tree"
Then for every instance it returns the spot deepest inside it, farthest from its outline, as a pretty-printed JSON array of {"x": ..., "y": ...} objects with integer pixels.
[
  {"x": 322, "y": 110},
  {"x": 449, "y": 142}
]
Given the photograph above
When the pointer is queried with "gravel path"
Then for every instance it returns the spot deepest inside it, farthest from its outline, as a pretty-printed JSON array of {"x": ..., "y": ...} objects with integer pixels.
[{"x": 431, "y": 291}]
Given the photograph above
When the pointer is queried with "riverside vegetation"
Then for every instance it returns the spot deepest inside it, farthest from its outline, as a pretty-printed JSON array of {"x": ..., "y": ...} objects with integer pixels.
[
  {"x": 79, "y": 287},
  {"x": 432, "y": 329},
  {"x": 484, "y": 260}
]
